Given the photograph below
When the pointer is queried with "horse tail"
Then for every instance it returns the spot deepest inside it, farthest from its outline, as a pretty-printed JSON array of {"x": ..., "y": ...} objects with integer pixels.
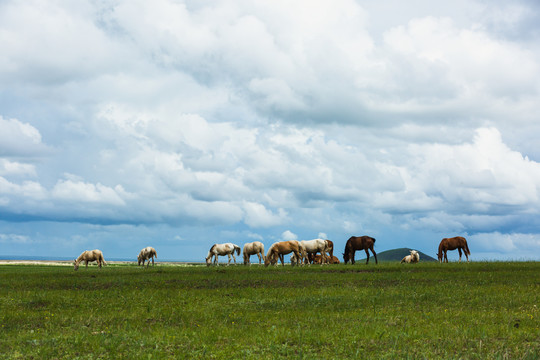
[
  {"x": 237, "y": 248},
  {"x": 467, "y": 248},
  {"x": 373, "y": 240}
]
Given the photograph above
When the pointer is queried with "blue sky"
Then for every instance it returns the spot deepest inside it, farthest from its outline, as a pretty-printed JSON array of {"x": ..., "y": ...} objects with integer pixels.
[{"x": 179, "y": 124}]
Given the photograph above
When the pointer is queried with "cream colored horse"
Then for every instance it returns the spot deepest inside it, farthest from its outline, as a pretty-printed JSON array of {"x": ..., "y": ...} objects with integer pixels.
[
  {"x": 279, "y": 249},
  {"x": 222, "y": 250},
  {"x": 146, "y": 254},
  {"x": 296, "y": 261},
  {"x": 413, "y": 258},
  {"x": 253, "y": 248},
  {"x": 90, "y": 255},
  {"x": 314, "y": 246}
]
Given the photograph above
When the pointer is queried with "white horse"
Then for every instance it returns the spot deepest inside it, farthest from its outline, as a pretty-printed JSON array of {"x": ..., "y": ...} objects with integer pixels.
[
  {"x": 90, "y": 255},
  {"x": 222, "y": 250},
  {"x": 413, "y": 258},
  {"x": 253, "y": 248},
  {"x": 314, "y": 246},
  {"x": 146, "y": 254}
]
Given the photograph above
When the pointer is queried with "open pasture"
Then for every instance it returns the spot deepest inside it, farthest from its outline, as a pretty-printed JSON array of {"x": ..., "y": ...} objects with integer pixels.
[{"x": 427, "y": 310}]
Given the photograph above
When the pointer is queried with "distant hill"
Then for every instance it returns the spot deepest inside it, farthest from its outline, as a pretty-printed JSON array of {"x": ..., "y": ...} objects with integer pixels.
[{"x": 395, "y": 255}]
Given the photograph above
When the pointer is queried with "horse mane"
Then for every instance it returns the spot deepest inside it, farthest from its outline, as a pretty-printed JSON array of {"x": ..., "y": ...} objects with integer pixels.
[{"x": 210, "y": 251}]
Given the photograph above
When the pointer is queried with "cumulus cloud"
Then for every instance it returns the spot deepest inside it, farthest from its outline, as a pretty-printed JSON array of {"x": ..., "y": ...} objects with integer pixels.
[
  {"x": 19, "y": 139},
  {"x": 332, "y": 117},
  {"x": 289, "y": 235}
]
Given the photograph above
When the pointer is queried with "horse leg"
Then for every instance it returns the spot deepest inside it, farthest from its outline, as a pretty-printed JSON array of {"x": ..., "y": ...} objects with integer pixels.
[
  {"x": 234, "y": 258},
  {"x": 260, "y": 257},
  {"x": 367, "y": 254},
  {"x": 229, "y": 262},
  {"x": 445, "y": 256},
  {"x": 86, "y": 262},
  {"x": 352, "y": 256},
  {"x": 459, "y": 251},
  {"x": 374, "y": 254}
]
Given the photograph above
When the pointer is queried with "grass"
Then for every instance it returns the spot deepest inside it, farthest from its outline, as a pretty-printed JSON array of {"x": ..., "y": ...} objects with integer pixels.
[{"x": 479, "y": 310}]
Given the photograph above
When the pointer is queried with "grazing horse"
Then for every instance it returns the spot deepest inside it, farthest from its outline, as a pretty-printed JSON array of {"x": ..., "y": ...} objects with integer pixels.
[
  {"x": 278, "y": 249},
  {"x": 359, "y": 243},
  {"x": 314, "y": 246},
  {"x": 295, "y": 261},
  {"x": 146, "y": 254},
  {"x": 414, "y": 257},
  {"x": 454, "y": 243},
  {"x": 253, "y": 248},
  {"x": 222, "y": 250},
  {"x": 90, "y": 255}
]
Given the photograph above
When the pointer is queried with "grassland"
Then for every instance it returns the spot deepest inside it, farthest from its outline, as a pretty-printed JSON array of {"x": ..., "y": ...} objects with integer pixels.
[{"x": 477, "y": 310}]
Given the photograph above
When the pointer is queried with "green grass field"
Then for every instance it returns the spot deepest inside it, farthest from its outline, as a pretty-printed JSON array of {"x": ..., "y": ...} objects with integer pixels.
[{"x": 479, "y": 310}]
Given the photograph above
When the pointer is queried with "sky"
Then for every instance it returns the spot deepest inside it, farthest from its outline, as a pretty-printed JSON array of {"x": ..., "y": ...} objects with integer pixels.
[{"x": 180, "y": 124}]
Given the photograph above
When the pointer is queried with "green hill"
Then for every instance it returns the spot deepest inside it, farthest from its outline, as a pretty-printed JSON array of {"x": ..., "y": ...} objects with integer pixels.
[{"x": 396, "y": 255}]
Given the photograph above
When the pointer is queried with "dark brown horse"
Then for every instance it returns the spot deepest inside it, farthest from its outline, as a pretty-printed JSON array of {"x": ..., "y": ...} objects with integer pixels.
[
  {"x": 359, "y": 243},
  {"x": 454, "y": 243}
]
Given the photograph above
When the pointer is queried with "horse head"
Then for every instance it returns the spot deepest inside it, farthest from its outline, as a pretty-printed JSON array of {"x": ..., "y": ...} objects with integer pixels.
[
  {"x": 75, "y": 264},
  {"x": 346, "y": 256}
]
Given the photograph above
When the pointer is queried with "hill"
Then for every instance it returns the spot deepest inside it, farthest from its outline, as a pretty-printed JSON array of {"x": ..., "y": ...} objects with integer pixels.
[{"x": 397, "y": 255}]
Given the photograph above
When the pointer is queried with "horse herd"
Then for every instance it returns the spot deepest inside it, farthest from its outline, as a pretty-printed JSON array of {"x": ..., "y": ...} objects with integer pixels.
[{"x": 318, "y": 251}]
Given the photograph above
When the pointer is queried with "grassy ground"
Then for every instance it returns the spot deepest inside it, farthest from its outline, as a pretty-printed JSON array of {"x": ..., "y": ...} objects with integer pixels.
[{"x": 476, "y": 310}]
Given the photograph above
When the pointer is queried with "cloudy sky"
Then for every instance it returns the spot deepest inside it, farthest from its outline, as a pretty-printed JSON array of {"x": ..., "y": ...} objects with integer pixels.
[{"x": 179, "y": 124}]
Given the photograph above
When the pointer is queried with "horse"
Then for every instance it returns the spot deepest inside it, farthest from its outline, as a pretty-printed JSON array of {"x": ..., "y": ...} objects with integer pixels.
[
  {"x": 295, "y": 261},
  {"x": 222, "y": 250},
  {"x": 414, "y": 257},
  {"x": 253, "y": 248},
  {"x": 278, "y": 249},
  {"x": 454, "y": 243},
  {"x": 146, "y": 254},
  {"x": 359, "y": 243},
  {"x": 314, "y": 246},
  {"x": 90, "y": 255},
  {"x": 317, "y": 259}
]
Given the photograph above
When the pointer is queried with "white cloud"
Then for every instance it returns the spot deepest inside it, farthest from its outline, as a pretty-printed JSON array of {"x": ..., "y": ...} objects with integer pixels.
[
  {"x": 15, "y": 239},
  {"x": 14, "y": 168},
  {"x": 257, "y": 215},
  {"x": 19, "y": 139},
  {"x": 81, "y": 192},
  {"x": 289, "y": 235}
]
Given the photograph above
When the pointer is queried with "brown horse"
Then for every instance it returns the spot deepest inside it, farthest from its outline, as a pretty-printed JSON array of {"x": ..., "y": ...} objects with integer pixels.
[
  {"x": 329, "y": 260},
  {"x": 278, "y": 249},
  {"x": 454, "y": 243},
  {"x": 359, "y": 243}
]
